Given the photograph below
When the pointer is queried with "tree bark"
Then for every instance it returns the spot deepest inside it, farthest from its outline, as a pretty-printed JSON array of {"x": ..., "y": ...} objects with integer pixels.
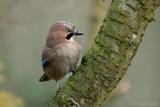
[{"x": 110, "y": 55}]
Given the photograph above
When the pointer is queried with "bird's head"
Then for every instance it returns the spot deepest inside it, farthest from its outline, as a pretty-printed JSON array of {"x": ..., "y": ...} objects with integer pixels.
[{"x": 65, "y": 29}]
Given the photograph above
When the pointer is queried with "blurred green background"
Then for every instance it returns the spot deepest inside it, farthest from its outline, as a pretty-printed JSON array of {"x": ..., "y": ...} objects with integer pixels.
[{"x": 24, "y": 26}]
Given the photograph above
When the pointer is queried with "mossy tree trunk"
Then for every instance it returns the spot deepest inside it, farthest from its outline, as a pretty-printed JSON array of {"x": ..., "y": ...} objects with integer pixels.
[{"x": 110, "y": 55}]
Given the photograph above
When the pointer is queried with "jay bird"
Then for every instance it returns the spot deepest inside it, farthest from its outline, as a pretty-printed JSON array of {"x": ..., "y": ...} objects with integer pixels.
[{"x": 61, "y": 52}]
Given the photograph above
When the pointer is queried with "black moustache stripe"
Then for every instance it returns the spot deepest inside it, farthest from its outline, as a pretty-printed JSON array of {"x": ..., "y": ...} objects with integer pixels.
[{"x": 69, "y": 36}]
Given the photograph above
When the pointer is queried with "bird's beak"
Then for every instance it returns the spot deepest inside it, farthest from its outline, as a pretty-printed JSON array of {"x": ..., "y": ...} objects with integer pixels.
[{"x": 77, "y": 33}]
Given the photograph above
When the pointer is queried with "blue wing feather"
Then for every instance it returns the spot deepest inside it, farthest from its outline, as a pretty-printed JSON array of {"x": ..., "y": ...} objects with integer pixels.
[{"x": 45, "y": 62}]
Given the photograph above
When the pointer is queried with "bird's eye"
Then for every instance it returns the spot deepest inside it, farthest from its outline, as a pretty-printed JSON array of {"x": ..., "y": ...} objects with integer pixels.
[{"x": 68, "y": 30}]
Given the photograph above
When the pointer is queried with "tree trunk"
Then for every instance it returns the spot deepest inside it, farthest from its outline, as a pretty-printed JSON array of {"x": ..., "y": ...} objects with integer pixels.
[{"x": 110, "y": 55}]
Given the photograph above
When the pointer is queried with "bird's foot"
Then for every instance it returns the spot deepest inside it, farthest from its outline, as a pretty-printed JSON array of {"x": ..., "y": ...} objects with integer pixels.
[
  {"x": 74, "y": 70},
  {"x": 57, "y": 85}
]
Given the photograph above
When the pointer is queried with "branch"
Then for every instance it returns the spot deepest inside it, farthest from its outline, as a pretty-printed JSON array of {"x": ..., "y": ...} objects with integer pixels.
[{"x": 109, "y": 56}]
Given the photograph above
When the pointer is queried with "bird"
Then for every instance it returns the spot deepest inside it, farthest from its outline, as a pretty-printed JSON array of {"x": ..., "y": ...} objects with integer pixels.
[{"x": 61, "y": 52}]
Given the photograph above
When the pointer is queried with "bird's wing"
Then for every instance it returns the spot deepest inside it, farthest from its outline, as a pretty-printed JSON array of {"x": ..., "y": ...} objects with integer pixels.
[
  {"x": 45, "y": 58},
  {"x": 45, "y": 63},
  {"x": 49, "y": 56}
]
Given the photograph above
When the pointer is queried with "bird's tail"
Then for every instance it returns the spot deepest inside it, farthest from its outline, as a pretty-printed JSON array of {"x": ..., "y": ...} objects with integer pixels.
[{"x": 44, "y": 78}]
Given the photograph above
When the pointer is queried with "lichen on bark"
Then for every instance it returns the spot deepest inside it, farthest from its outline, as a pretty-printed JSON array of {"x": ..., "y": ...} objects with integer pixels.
[{"x": 110, "y": 55}]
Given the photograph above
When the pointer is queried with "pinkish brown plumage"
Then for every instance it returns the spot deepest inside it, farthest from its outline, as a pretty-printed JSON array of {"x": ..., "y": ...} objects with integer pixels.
[{"x": 61, "y": 52}]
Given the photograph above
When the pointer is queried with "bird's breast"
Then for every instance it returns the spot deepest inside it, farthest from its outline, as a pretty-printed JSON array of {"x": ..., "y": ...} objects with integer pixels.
[{"x": 65, "y": 57}]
